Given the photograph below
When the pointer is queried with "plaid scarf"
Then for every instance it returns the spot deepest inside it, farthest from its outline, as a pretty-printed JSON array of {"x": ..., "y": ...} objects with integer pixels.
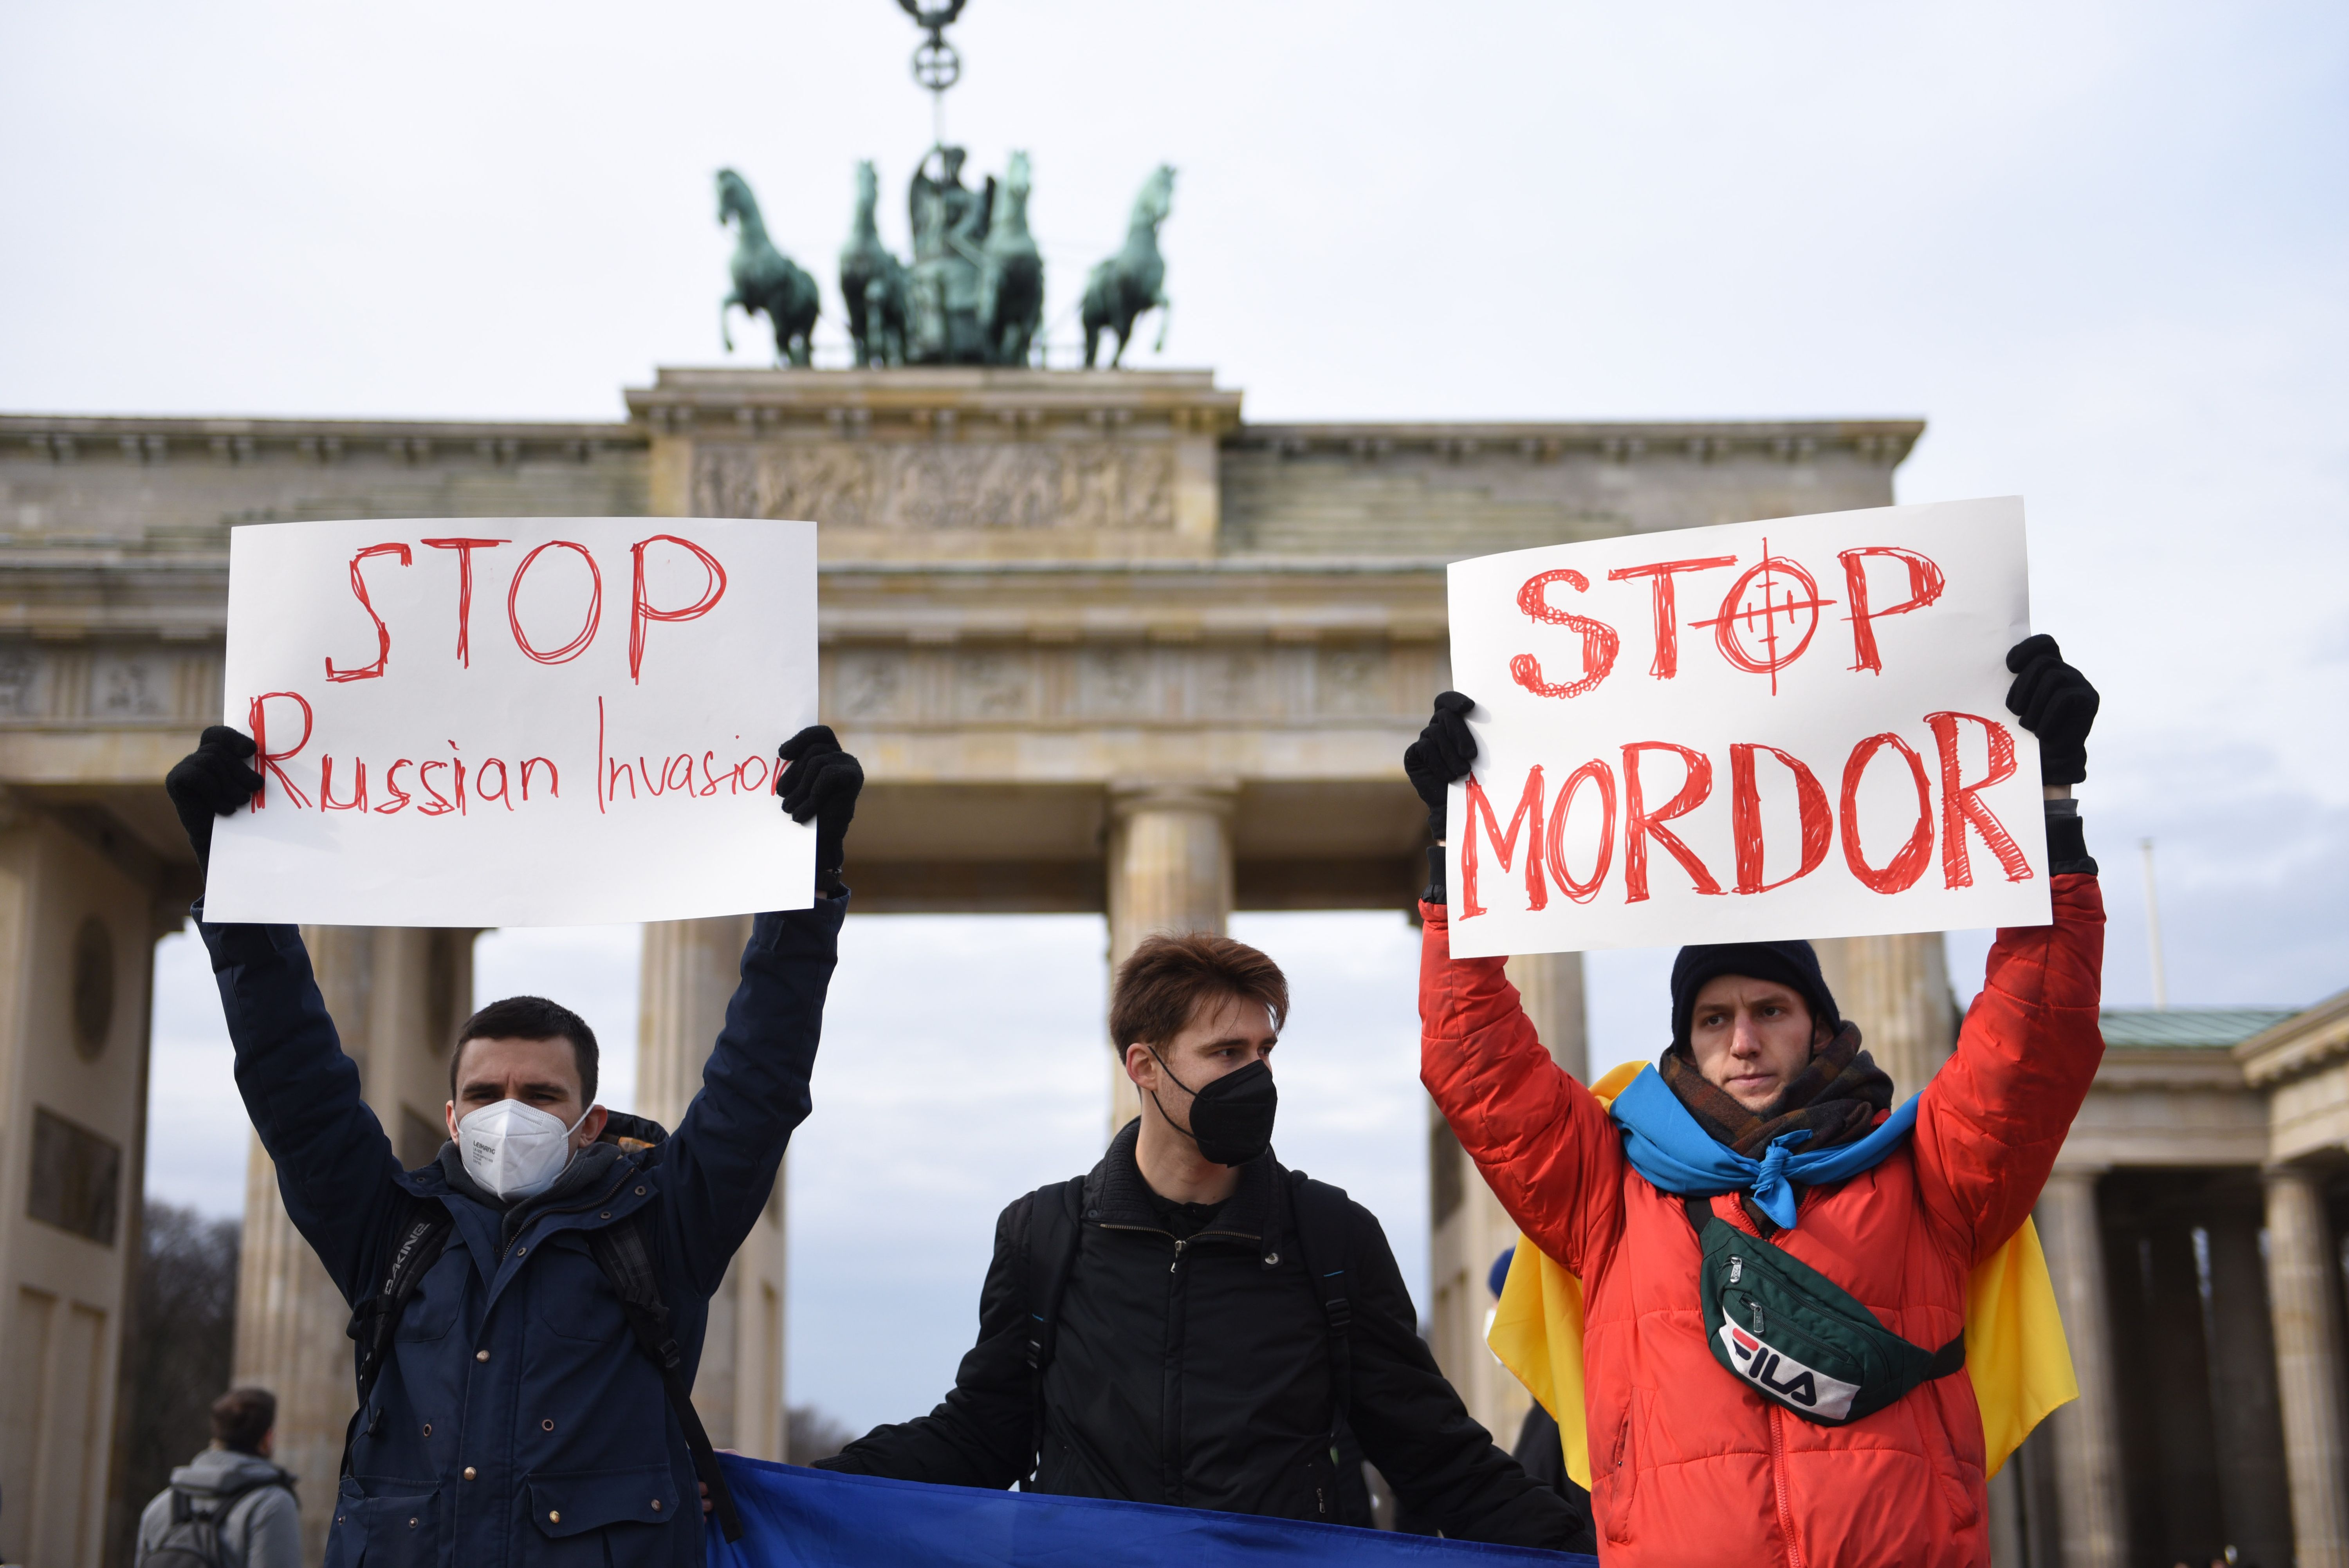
[{"x": 1837, "y": 1097}]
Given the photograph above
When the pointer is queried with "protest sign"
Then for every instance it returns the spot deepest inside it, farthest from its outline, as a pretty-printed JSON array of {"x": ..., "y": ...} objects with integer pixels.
[
  {"x": 516, "y": 721},
  {"x": 1793, "y": 728}
]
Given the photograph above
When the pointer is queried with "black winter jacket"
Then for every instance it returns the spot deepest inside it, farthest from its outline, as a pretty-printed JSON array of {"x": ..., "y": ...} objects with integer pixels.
[
  {"x": 1198, "y": 1374},
  {"x": 516, "y": 1423}
]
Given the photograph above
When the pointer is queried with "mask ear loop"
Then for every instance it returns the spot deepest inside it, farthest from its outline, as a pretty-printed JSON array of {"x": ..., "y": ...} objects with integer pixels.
[{"x": 1179, "y": 1084}]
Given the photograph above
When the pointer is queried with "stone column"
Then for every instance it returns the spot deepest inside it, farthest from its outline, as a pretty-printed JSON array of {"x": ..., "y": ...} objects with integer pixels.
[
  {"x": 2248, "y": 1419},
  {"x": 2087, "y": 1430},
  {"x": 74, "y": 935},
  {"x": 690, "y": 968},
  {"x": 1897, "y": 989},
  {"x": 396, "y": 997},
  {"x": 1467, "y": 1227},
  {"x": 1170, "y": 870},
  {"x": 2302, "y": 1291}
]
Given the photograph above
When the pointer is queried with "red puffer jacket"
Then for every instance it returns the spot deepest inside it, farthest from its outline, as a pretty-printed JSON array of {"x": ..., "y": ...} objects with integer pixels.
[{"x": 1687, "y": 1464}]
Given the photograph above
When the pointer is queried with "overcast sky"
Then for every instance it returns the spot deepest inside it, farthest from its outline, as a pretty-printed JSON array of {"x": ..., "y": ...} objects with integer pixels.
[{"x": 2099, "y": 247}]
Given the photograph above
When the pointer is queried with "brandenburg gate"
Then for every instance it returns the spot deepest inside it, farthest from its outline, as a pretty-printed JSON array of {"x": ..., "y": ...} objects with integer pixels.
[{"x": 1104, "y": 646}]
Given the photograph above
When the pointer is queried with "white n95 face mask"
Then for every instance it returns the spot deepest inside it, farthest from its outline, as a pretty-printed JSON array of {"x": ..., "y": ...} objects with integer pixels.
[{"x": 515, "y": 1150}]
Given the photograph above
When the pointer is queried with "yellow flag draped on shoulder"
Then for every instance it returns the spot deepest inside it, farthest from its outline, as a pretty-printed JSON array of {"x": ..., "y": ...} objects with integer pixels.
[{"x": 2015, "y": 1352}]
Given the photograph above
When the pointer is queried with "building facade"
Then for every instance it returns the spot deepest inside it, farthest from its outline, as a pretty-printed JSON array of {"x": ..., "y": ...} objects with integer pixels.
[{"x": 1104, "y": 646}]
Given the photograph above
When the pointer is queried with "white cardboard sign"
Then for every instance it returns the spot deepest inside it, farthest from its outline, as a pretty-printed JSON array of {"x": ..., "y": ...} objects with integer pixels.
[
  {"x": 516, "y": 721},
  {"x": 1794, "y": 728}
]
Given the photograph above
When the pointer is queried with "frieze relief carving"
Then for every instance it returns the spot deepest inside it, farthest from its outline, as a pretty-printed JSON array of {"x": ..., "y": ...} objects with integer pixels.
[
  {"x": 108, "y": 686},
  {"x": 1129, "y": 683},
  {"x": 932, "y": 486}
]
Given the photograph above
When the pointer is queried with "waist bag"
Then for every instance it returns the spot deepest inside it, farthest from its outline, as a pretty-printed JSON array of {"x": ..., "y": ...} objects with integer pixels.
[{"x": 1796, "y": 1338}]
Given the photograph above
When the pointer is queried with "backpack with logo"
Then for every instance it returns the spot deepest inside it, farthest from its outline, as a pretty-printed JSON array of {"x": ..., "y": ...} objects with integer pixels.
[{"x": 191, "y": 1537}]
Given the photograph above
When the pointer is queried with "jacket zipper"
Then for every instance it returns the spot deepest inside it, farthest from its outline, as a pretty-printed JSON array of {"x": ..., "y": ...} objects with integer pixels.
[
  {"x": 1170, "y": 1462},
  {"x": 1778, "y": 1484},
  {"x": 1739, "y": 1219}
]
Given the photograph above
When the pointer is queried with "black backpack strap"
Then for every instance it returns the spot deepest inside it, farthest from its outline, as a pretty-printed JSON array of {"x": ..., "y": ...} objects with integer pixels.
[
  {"x": 1048, "y": 1255},
  {"x": 619, "y": 1251},
  {"x": 1322, "y": 1223},
  {"x": 419, "y": 1233}
]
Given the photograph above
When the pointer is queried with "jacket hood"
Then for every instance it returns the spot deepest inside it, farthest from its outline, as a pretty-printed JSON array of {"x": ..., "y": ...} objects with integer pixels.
[{"x": 222, "y": 1470}]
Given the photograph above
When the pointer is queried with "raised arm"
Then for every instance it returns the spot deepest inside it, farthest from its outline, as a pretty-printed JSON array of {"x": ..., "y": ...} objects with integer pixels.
[
  {"x": 1541, "y": 1141},
  {"x": 335, "y": 1166},
  {"x": 722, "y": 1163},
  {"x": 1543, "y": 1145},
  {"x": 1990, "y": 1123}
]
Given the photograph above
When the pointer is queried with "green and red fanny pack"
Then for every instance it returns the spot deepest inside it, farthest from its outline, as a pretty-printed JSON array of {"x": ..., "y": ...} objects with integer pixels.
[{"x": 1797, "y": 1338}]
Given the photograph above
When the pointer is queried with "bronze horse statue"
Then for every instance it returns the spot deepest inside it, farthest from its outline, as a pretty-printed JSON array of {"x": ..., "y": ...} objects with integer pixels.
[
  {"x": 1012, "y": 287},
  {"x": 1133, "y": 280},
  {"x": 872, "y": 281},
  {"x": 764, "y": 278}
]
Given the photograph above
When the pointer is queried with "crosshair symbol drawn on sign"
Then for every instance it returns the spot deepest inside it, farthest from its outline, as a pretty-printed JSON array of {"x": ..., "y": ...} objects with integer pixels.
[
  {"x": 936, "y": 65},
  {"x": 1743, "y": 615}
]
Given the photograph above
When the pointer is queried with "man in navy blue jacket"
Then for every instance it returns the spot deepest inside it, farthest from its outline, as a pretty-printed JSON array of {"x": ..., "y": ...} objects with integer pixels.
[{"x": 516, "y": 1419}]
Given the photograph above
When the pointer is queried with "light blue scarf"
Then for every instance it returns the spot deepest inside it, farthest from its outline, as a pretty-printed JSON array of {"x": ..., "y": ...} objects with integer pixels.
[{"x": 1665, "y": 1145}]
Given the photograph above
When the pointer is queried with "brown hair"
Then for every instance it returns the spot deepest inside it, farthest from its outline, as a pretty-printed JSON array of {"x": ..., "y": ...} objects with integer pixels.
[
  {"x": 1165, "y": 980},
  {"x": 242, "y": 1418},
  {"x": 530, "y": 1018}
]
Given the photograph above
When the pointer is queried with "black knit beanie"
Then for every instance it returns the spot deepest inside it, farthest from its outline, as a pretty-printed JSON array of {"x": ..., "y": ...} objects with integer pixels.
[{"x": 1787, "y": 963}]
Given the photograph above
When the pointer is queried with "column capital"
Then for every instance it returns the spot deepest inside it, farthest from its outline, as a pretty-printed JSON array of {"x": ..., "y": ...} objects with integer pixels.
[{"x": 1210, "y": 794}]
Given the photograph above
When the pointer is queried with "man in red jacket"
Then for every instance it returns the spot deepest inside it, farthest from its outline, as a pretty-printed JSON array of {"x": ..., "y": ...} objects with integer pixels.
[{"x": 1774, "y": 1263}]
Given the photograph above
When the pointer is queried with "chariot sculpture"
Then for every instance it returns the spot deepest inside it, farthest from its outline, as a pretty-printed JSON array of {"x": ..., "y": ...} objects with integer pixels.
[{"x": 973, "y": 293}]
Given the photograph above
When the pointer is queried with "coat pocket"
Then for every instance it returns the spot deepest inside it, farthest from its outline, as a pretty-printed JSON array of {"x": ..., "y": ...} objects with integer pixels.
[
  {"x": 1617, "y": 1477},
  {"x": 592, "y": 1517},
  {"x": 385, "y": 1523}
]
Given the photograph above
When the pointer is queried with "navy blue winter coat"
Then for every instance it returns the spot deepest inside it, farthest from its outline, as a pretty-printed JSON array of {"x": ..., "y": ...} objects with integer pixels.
[{"x": 516, "y": 1421}]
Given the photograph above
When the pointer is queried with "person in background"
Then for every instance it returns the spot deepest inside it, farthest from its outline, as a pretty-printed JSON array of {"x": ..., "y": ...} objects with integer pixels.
[
  {"x": 1539, "y": 1447},
  {"x": 228, "y": 1506},
  {"x": 1191, "y": 1323}
]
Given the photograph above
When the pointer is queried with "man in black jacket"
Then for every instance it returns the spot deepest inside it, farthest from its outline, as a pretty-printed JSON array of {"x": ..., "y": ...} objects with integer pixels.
[{"x": 1191, "y": 1323}]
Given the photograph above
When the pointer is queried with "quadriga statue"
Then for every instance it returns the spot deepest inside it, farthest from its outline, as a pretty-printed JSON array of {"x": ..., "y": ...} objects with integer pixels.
[
  {"x": 1133, "y": 280},
  {"x": 1011, "y": 275},
  {"x": 764, "y": 278},
  {"x": 872, "y": 281}
]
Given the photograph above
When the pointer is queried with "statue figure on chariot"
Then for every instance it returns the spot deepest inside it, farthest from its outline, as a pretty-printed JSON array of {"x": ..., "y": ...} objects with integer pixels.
[{"x": 974, "y": 292}]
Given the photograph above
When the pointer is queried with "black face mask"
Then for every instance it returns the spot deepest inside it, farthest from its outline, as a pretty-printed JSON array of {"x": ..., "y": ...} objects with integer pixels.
[{"x": 1231, "y": 1118}]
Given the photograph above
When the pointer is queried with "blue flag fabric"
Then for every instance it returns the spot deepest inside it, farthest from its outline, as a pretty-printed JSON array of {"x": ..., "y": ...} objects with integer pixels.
[
  {"x": 1665, "y": 1145},
  {"x": 795, "y": 1518}
]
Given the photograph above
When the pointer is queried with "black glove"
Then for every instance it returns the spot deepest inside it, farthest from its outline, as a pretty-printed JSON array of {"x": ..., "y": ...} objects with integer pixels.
[
  {"x": 821, "y": 781},
  {"x": 211, "y": 782},
  {"x": 2054, "y": 702},
  {"x": 1441, "y": 755}
]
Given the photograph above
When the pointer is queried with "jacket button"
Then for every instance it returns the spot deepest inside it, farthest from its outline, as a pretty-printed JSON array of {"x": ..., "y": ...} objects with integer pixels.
[
  {"x": 640, "y": 1192},
  {"x": 606, "y": 1215},
  {"x": 656, "y": 1505},
  {"x": 480, "y": 1356},
  {"x": 468, "y": 1473},
  {"x": 411, "y": 1522},
  {"x": 1270, "y": 1259},
  {"x": 547, "y": 1425},
  {"x": 428, "y": 1428},
  {"x": 554, "y": 1516},
  {"x": 520, "y": 1250}
]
